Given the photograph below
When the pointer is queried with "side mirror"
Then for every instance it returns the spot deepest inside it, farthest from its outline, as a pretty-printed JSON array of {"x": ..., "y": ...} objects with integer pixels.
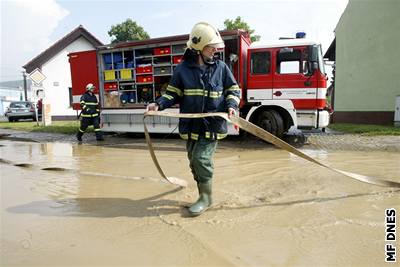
[
  {"x": 314, "y": 66},
  {"x": 313, "y": 53},
  {"x": 309, "y": 68}
]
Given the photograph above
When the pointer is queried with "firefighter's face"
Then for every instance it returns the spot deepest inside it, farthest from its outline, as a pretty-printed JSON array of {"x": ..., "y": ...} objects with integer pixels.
[{"x": 209, "y": 51}]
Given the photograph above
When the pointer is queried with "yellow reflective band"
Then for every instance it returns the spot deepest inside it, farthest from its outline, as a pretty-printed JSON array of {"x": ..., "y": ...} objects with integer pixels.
[
  {"x": 234, "y": 88},
  {"x": 84, "y": 106},
  {"x": 215, "y": 94},
  {"x": 237, "y": 100},
  {"x": 81, "y": 130},
  {"x": 220, "y": 136},
  {"x": 92, "y": 103},
  {"x": 198, "y": 92},
  {"x": 184, "y": 136},
  {"x": 194, "y": 136},
  {"x": 169, "y": 97},
  {"x": 201, "y": 92},
  {"x": 82, "y": 102},
  {"x": 96, "y": 130},
  {"x": 208, "y": 135},
  {"x": 175, "y": 90},
  {"x": 89, "y": 115}
]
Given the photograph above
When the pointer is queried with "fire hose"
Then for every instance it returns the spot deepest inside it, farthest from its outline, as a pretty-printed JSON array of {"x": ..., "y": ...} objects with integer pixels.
[{"x": 259, "y": 132}]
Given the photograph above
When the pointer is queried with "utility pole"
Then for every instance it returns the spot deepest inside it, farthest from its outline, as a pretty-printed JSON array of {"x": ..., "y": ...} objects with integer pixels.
[{"x": 25, "y": 86}]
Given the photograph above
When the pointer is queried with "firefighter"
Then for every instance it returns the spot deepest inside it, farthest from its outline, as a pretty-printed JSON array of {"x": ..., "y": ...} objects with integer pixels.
[
  {"x": 201, "y": 83},
  {"x": 90, "y": 114}
]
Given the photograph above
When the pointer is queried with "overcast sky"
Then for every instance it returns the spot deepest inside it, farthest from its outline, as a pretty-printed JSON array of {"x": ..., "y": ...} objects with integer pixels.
[{"x": 28, "y": 27}]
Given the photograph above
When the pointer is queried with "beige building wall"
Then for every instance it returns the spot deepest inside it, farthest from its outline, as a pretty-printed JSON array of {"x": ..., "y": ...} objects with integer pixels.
[{"x": 368, "y": 59}]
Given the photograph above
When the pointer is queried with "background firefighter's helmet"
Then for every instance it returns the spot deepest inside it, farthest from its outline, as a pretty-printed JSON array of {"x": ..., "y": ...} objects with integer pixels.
[
  {"x": 90, "y": 87},
  {"x": 204, "y": 34}
]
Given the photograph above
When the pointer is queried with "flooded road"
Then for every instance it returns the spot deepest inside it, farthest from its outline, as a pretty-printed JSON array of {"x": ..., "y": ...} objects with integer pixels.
[{"x": 107, "y": 206}]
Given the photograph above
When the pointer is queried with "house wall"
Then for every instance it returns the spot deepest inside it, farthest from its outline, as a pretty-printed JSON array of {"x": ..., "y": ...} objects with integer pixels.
[
  {"x": 367, "y": 61},
  {"x": 58, "y": 79}
]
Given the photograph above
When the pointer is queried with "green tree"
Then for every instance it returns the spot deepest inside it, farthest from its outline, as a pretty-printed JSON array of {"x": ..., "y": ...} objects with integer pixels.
[
  {"x": 128, "y": 30},
  {"x": 239, "y": 24}
]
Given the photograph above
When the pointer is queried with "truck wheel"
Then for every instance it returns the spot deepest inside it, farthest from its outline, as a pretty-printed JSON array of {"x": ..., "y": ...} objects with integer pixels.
[
  {"x": 10, "y": 119},
  {"x": 271, "y": 121}
]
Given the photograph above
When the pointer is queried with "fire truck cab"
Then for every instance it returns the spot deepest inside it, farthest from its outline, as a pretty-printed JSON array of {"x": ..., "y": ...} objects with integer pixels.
[{"x": 283, "y": 84}]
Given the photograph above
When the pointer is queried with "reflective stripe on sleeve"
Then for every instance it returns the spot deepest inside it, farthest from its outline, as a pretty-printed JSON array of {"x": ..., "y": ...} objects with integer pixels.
[
  {"x": 184, "y": 136},
  {"x": 175, "y": 90},
  {"x": 220, "y": 136},
  {"x": 234, "y": 88},
  {"x": 169, "y": 97},
  {"x": 235, "y": 98}
]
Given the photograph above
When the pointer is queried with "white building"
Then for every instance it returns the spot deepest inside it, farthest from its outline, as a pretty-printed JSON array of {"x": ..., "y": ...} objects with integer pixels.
[{"x": 53, "y": 63}]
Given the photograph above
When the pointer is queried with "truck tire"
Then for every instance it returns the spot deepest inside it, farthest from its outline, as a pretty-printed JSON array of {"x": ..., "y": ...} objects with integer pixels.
[
  {"x": 10, "y": 119},
  {"x": 271, "y": 121}
]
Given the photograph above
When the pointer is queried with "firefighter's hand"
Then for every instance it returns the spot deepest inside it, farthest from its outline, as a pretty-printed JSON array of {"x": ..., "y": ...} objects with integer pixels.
[
  {"x": 231, "y": 112},
  {"x": 152, "y": 107}
]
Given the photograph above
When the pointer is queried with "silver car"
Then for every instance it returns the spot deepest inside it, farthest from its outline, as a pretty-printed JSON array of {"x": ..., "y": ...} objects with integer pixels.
[{"x": 21, "y": 110}]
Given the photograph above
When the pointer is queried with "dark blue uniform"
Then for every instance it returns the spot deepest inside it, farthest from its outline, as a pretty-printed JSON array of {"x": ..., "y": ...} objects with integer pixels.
[
  {"x": 90, "y": 115},
  {"x": 202, "y": 89}
]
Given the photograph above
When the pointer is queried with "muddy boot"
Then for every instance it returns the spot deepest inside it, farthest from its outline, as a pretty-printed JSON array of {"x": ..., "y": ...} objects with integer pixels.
[
  {"x": 99, "y": 136},
  {"x": 204, "y": 201},
  {"x": 79, "y": 136}
]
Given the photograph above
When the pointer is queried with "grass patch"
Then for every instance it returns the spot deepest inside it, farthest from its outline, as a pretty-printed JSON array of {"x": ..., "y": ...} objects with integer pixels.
[
  {"x": 64, "y": 127},
  {"x": 365, "y": 129}
]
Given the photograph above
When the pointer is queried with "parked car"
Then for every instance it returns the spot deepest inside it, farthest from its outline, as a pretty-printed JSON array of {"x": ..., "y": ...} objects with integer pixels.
[{"x": 20, "y": 110}]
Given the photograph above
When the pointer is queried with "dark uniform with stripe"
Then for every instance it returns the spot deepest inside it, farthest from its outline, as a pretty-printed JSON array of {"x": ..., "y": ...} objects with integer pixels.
[
  {"x": 202, "y": 89},
  {"x": 90, "y": 114}
]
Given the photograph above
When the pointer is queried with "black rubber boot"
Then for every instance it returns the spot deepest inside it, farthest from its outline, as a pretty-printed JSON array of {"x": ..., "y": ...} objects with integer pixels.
[
  {"x": 99, "y": 136},
  {"x": 204, "y": 201},
  {"x": 79, "y": 136}
]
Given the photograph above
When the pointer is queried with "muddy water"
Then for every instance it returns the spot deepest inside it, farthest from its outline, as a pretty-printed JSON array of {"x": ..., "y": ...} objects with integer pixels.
[{"x": 104, "y": 206}]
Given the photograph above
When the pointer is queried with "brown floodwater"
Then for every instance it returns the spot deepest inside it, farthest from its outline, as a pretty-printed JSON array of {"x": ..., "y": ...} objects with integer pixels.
[{"x": 65, "y": 204}]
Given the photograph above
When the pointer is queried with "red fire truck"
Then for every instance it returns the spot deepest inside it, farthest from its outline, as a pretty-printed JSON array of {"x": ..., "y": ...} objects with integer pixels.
[{"x": 283, "y": 84}]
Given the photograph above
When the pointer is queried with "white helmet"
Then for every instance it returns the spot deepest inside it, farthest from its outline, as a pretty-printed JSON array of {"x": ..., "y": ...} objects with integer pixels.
[
  {"x": 204, "y": 34},
  {"x": 90, "y": 87}
]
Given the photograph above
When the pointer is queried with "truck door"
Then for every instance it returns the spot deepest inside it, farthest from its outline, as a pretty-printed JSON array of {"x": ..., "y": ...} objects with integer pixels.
[
  {"x": 83, "y": 71},
  {"x": 294, "y": 78},
  {"x": 259, "y": 75}
]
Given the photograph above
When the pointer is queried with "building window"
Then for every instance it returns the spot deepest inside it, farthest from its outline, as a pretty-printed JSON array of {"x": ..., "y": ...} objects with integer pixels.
[
  {"x": 70, "y": 96},
  {"x": 260, "y": 62}
]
